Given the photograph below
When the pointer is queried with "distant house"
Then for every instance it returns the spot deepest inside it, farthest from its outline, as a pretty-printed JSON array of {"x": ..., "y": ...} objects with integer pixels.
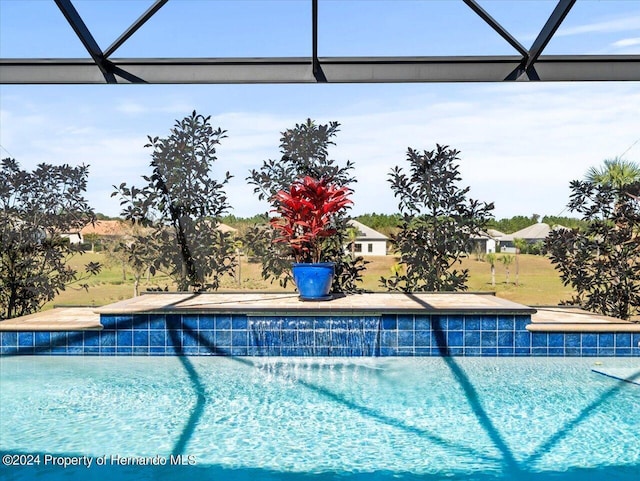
[
  {"x": 74, "y": 237},
  {"x": 227, "y": 228},
  {"x": 531, "y": 235},
  {"x": 368, "y": 242},
  {"x": 483, "y": 242},
  {"x": 109, "y": 229}
]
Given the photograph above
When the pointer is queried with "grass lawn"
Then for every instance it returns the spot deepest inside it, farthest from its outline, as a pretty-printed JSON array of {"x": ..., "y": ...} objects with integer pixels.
[{"x": 539, "y": 283}]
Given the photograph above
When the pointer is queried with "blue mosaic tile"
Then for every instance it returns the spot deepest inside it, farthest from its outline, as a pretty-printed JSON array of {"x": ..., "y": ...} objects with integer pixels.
[
  {"x": 589, "y": 340},
  {"x": 556, "y": 352},
  {"x": 455, "y": 338},
  {"x": 43, "y": 339},
  {"x": 623, "y": 339},
  {"x": 206, "y": 322},
  {"x": 124, "y": 338},
  {"x": 522, "y": 351},
  {"x": 25, "y": 339},
  {"x": 322, "y": 337},
  {"x": 9, "y": 338},
  {"x": 91, "y": 338},
  {"x": 140, "y": 350},
  {"x": 422, "y": 338},
  {"x": 189, "y": 322},
  {"x": 438, "y": 323},
  {"x": 157, "y": 338},
  {"x": 455, "y": 323},
  {"x": 455, "y": 351},
  {"x": 522, "y": 339},
  {"x": 223, "y": 338},
  {"x": 539, "y": 339},
  {"x": 506, "y": 339},
  {"x": 405, "y": 323},
  {"x": 75, "y": 339},
  {"x": 239, "y": 338},
  {"x": 488, "y": 339},
  {"x": 635, "y": 340},
  {"x": 189, "y": 339},
  {"x": 471, "y": 323},
  {"x": 506, "y": 351},
  {"x": 605, "y": 340},
  {"x": 422, "y": 323},
  {"x": 623, "y": 351},
  {"x": 59, "y": 339},
  {"x": 405, "y": 339},
  {"x": 388, "y": 339},
  {"x": 605, "y": 351},
  {"x": 124, "y": 322},
  {"x": 421, "y": 351},
  {"x": 388, "y": 322},
  {"x": 173, "y": 321},
  {"x": 572, "y": 339},
  {"x": 141, "y": 322},
  {"x": 521, "y": 322},
  {"x": 157, "y": 321},
  {"x": 472, "y": 338},
  {"x": 489, "y": 323},
  {"x": 541, "y": 351},
  {"x": 472, "y": 351},
  {"x": 572, "y": 351},
  {"x": 306, "y": 338},
  {"x": 388, "y": 351},
  {"x": 589, "y": 351},
  {"x": 556, "y": 339},
  {"x": 489, "y": 351},
  {"x": 239, "y": 322},
  {"x": 140, "y": 338},
  {"x": 506, "y": 323}
]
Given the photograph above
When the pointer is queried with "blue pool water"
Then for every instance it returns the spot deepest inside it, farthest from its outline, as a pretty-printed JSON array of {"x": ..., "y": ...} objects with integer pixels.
[{"x": 319, "y": 418}]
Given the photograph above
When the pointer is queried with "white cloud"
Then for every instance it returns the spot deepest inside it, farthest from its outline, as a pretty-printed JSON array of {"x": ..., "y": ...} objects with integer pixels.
[
  {"x": 624, "y": 24},
  {"x": 627, "y": 42},
  {"x": 520, "y": 144}
]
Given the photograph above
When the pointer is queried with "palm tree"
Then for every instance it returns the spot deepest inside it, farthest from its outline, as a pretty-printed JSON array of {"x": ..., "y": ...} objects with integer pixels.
[
  {"x": 491, "y": 259},
  {"x": 507, "y": 260},
  {"x": 615, "y": 172}
]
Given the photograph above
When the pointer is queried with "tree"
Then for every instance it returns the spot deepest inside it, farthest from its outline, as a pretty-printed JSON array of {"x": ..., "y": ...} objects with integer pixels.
[
  {"x": 182, "y": 204},
  {"x": 507, "y": 260},
  {"x": 92, "y": 238},
  {"x": 615, "y": 172},
  {"x": 602, "y": 262},
  {"x": 437, "y": 224},
  {"x": 521, "y": 247},
  {"x": 491, "y": 259},
  {"x": 305, "y": 152},
  {"x": 35, "y": 209}
]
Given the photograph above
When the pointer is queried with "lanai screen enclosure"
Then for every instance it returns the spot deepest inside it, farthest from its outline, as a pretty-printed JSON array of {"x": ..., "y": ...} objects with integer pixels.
[{"x": 526, "y": 64}]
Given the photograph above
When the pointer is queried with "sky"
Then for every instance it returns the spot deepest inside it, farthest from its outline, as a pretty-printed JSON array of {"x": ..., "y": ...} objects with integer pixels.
[{"x": 520, "y": 143}]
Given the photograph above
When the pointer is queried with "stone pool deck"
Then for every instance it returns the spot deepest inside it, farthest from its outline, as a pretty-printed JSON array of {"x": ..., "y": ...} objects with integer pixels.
[{"x": 384, "y": 324}]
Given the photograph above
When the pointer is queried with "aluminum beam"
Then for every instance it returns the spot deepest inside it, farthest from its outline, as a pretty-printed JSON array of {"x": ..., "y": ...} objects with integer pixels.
[
  {"x": 134, "y": 27},
  {"x": 83, "y": 33},
  {"x": 334, "y": 69}
]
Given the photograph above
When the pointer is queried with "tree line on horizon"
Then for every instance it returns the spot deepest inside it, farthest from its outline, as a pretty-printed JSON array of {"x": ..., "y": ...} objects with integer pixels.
[{"x": 179, "y": 204}]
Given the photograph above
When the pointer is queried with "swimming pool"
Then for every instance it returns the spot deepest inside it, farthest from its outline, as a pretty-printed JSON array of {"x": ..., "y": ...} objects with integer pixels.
[{"x": 318, "y": 418}]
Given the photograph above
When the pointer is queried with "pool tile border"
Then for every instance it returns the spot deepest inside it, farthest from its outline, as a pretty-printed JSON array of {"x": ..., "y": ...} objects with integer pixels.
[{"x": 214, "y": 334}]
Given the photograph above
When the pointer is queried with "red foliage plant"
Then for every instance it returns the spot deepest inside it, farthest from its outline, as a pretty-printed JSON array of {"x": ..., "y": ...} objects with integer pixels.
[{"x": 306, "y": 213}]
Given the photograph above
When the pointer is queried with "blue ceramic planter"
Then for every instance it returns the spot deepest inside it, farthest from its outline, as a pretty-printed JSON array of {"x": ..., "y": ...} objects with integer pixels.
[{"x": 313, "y": 280}]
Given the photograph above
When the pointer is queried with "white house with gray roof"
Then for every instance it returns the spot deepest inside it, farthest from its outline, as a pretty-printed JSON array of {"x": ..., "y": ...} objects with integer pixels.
[{"x": 369, "y": 242}]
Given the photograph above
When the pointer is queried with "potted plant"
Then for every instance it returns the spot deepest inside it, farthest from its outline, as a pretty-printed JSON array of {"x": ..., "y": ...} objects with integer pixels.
[{"x": 306, "y": 219}]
